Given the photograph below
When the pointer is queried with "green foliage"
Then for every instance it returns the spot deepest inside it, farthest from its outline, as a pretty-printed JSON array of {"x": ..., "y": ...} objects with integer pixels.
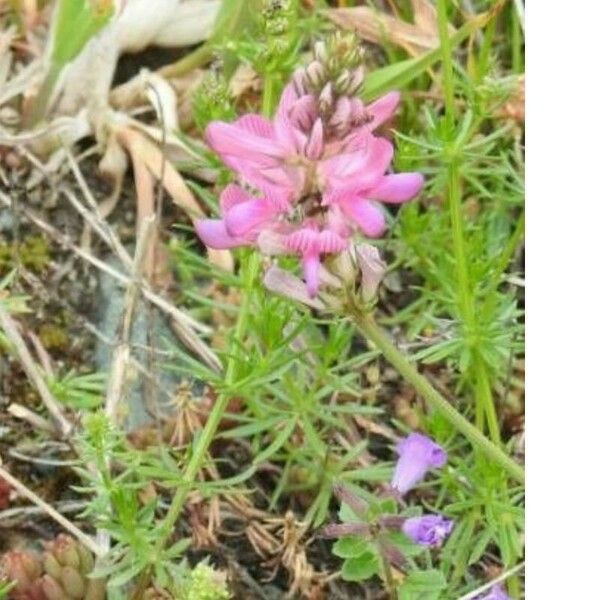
[
  {"x": 206, "y": 584},
  {"x": 423, "y": 585},
  {"x": 79, "y": 391},
  {"x": 76, "y": 22}
]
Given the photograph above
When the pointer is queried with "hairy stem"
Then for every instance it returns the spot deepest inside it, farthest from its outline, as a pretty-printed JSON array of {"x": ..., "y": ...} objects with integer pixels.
[
  {"x": 405, "y": 367},
  {"x": 212, "y": 424}
]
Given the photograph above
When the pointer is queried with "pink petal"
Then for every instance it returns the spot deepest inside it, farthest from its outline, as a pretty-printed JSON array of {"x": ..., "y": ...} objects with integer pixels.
[
  {"x": 357, "y": 171},
  {"x": 366, "y": 215},
  {"x": 382, "y": 109},
  {"x": 271, "y": 242},
  {"x": 311, "y": 266},
  {"x": 233, "y": 194},
  {"x": 257, "y": 125},
  {"x": 329, "y": 242},
  {"x": 284, "y": 283},
  {"x": 214, "y": 234},
  {"x": 243, "y": 218},
  {"x": 304, "y": 111},
  {"x": 397, "y": 188},
  {"x": 303, "y": 241},
  {"x": 230, "y": 139},
  {"x": 314, "y": 146}
]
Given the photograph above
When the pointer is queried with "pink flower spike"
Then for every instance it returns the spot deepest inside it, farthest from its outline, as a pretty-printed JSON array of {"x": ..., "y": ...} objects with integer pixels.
[
  {"x": 214, "y": 234},
  {"x": 398, "y": 188},
  {"x": 382, "y": 109}
]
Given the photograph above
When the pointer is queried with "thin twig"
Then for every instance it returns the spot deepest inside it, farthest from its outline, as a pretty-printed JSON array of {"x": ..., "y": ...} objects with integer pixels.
[
  {"x": 492, "y": 583},
  {"x": 183, "y": 318},
  {"x": 85, "y": 539},
  {"x": 33, "y": 372},
  {"x": 122, "y": 352}
]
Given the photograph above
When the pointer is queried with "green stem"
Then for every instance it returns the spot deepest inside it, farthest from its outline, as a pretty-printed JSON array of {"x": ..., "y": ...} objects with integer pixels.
[
  {"x": 387, "y": 573},
  {"x": 268, "y": 99},
  {"x": 375, "y": 334},
  {"x": 212, "y": 424}
]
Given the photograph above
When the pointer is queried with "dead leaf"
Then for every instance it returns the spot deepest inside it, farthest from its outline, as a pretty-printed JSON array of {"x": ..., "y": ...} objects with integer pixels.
[{"x": 377, "y": 27}]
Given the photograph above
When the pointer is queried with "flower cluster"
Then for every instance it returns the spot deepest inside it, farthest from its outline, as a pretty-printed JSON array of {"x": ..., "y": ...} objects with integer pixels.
[
  {"x": 318, "y": 168},
  {"x": 417, "y": 454}
]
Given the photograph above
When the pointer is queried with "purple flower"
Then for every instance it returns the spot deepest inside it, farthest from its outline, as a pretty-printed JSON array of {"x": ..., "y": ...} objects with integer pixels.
[
  {"x": 428, "y": 530},
  {"x": 496, "y": 593},
  {"x": 417, "y": 454}
]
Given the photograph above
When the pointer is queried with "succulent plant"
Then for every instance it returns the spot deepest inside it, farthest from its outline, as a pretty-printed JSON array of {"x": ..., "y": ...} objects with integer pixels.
[
  {"x": 60, "y": 573},
  {"x": 67, "y": 564},
  {"x": 24, "y": 570}
]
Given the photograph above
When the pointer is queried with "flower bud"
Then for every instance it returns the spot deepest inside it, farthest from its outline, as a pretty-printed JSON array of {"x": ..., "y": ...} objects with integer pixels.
[
  {"x": 299, "y": 81},
  {"x": 342, "y": 82},
  {"x": 358, "y": 506},
  {"x": 315, "y": 72},
  {"x": 372, "y": 270},
  {"x": 337, "y": 530},
  {"x": 320, "y": 51},
  {"x": 356, "y": 81},
  {"x": 314, "y": 145},
  {"x": 326, "y": 99},
  {"x": 342, "y": 113}
]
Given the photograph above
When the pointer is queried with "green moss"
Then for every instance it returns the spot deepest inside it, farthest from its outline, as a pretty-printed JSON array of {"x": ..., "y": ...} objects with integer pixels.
[{"x": 33, "y": 253}]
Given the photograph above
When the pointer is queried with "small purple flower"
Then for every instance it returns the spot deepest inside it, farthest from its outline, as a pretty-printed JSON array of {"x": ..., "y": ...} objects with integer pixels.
[
  {"x": 417, "y": 454},
  {"x": 428, "y": 530},
  {"x": 496, "y": 593}
]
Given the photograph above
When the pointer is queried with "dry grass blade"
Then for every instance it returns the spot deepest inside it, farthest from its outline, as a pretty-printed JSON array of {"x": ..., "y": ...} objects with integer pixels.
[
  {"x": 33, "y": 373},
  {"x": 120, "y": 360},
  {"x": 52, "y": 512}
]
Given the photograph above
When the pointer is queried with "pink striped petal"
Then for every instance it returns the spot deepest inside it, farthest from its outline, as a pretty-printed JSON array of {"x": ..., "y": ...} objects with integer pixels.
[
  {"x": 214, "y": 234},
  {"x": 366, "y": 215},
  {"x": 397, "y": 188},
  {"x": 243, "y": 218},
  {"x": 382, "y": 109},
  {"x": 329, "y": 242},
  {"x": 233, "y": 194},
  {"x": 257, "y": 125},
  {"x": 230, "y": 139}
]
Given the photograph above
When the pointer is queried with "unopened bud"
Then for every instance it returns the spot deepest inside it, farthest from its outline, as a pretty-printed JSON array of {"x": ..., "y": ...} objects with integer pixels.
[
  {"x": 303, "y": 112},
  {"x": 320, "y": 51},
  {"x": 314, "y": 145},
  {"x": 338, "y": 530},
  {"x": 342, "y": 82},
  {"x": 342, "y": 113},
  {"x": 372, "y": 269},
  {"x": 358, "y": 506},
  {"x": 326, "y": 99},
  {"x": 356, "y": 80},
  {"x": 315, "y": 72},
  {"x": 299, "y": 81}
]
